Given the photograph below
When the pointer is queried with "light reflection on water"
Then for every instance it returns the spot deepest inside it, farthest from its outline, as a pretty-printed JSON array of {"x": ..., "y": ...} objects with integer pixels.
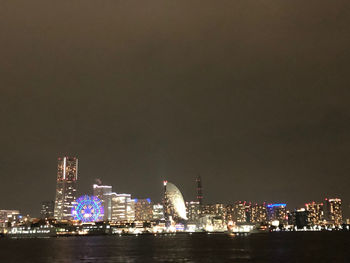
[{"x": 284, "y": 247}]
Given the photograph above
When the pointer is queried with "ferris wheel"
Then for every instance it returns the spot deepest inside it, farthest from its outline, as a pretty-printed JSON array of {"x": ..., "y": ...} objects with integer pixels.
[{"x": 88, "y": 209}]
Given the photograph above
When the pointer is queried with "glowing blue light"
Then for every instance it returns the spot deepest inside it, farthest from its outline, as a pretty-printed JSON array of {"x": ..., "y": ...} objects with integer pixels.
[
  {"x": 88, "y": 209},
  {"x": 148, "y": 200},
  {"x": 179, "y": 227},
  {"x": 276, "y": 205}
]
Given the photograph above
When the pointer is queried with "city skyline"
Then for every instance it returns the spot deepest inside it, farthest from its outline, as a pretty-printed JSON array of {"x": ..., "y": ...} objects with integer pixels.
[
  {"x": 108, "y": 212},
  {"x": 174, "y": 131},
  {"x": 122, "y": 206},
  {"x": 251, "y": 95},
  {"x": 67, "y": 169}
]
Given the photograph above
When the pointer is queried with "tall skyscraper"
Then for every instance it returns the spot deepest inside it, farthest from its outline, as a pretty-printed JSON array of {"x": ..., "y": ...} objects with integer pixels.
[
  {"x": 239, "y": 212},
  {"x": 315, "y": 213},
  {"x": 123, "y": 207},
  {"x": 199, "y": 190},
  {"x": 103, "y": 192},
  {"x": 333, "y": 211},
  {"x": 143, "y": 209},
  {"x": 259, "y": 214},
  {"x": 66, "y": 188},
  {"x": 277, "y": 212}
]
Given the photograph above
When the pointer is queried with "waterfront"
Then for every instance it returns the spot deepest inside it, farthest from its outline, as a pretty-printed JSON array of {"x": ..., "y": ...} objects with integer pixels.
[{"x": 269, "y": 247}]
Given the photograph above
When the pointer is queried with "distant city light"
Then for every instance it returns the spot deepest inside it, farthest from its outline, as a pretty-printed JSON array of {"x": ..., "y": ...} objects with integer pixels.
[{"x": 276, "y": 205}]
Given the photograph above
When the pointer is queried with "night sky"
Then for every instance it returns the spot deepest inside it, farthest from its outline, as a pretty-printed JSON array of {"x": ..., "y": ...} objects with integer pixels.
[{"x": 252, "y": 95}]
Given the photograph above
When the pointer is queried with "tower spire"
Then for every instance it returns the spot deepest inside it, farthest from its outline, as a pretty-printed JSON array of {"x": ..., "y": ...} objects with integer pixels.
[{"x": 199, "y": 190}]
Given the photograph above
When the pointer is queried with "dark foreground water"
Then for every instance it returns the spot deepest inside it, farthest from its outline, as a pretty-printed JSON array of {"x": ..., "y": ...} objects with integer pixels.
[{"x": 274, "y": 247}]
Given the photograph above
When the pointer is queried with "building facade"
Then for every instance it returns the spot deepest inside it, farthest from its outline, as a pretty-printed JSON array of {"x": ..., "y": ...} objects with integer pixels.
[
  {"x": 193, "y": 210},
  {"x": 333, "y": 211},
  {"x": 315, "y": 213},
  {"x": 239, "y": 212},
  {"x": 123, "y": 208},
  {"x": 259, "y": 214},
  {"x": 143, "y": 209},
  {"x": 217, "y": 210},
  {"x": 277, "y": 212},
  {"x": 158, "y": 212},
  {"x": 103, "y": 192},
  {"x": 8, "y": 218},
  {"x": 66, "y": 188}
]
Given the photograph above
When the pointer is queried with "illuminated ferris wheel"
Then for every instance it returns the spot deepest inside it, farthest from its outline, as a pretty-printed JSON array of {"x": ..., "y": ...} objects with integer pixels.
[{"x": 88, "y": 209}]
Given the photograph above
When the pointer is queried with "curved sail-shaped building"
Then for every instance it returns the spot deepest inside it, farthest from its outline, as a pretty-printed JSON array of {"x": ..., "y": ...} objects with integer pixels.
[{"x": 174, "y": 202}]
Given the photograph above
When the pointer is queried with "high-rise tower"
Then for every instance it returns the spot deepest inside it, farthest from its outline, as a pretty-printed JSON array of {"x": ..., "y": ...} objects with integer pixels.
[
  {"x": 104, "y": 193},
  {"x": 174, "y": 204},
  {"x": 333, "y": 211},
  {"x": 66, "y": 188},
  {"x": 199, "y": 190}
]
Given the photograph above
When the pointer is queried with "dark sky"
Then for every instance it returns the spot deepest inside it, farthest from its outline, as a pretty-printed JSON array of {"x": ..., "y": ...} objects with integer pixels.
[{"x": 252, "y": 95}]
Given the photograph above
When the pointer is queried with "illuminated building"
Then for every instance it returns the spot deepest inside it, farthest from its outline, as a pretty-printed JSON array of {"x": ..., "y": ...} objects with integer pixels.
[
  {"x": 248, "y": 212},
  {"x": 66, "y": 188},
  {"x": 88, "y": 209},
  {"x": 258, "y": 214},
  {"x": 229, "y": 212},
  {"x": 123, "y": 207},
  {"x": 277, "y": 212},
  {"x": 218, "y": 210},
  {"x": 174, "y": 205},
  {"x": 143, "y": 210},
  {"x": 239, "y": 212},
  {"x": 158, "y": 212},
  {"x": 47, "y": 209},
  {"x": 244, "y": 212},
  {"x": 8, "y": 218},
  {"x": 333, "y": 211},
  {"x": 206, "y": 209},
  {"x": 193, "y": 211},
  {"x": 103, "y": 192},
  {"x": 212, "y": 223},
  {"x": 315, "y": 213}
]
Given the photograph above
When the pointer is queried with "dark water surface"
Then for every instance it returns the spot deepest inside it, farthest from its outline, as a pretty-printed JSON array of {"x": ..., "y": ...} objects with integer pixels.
[{"x": 274, "y": 247}]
